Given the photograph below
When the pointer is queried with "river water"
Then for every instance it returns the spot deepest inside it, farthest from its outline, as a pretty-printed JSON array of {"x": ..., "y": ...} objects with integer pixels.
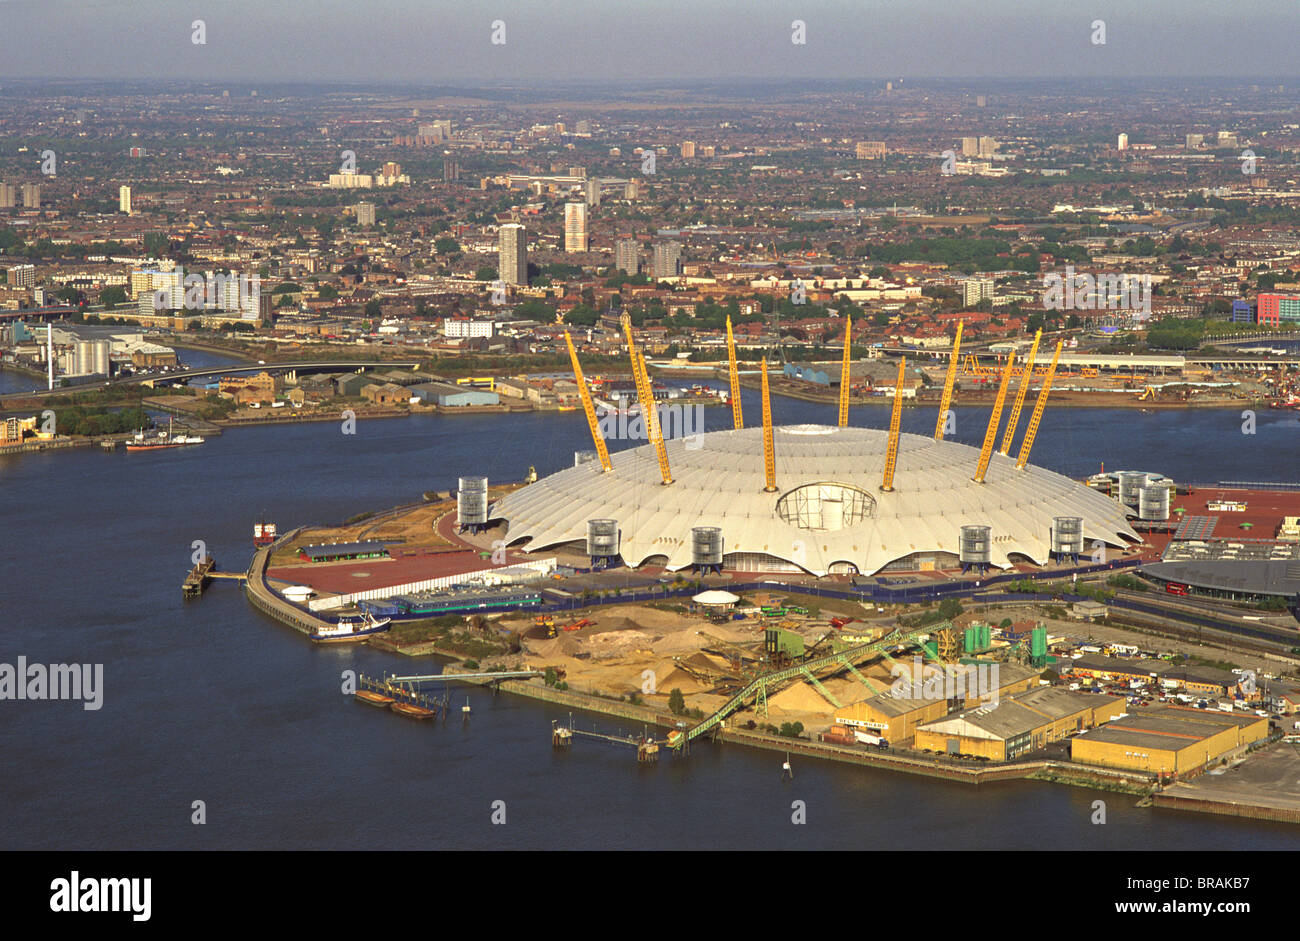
[{"x": 210, "y": 701}]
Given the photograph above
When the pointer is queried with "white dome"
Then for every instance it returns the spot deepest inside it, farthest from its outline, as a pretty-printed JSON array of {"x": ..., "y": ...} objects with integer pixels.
[{"x": 828, "y": 507}]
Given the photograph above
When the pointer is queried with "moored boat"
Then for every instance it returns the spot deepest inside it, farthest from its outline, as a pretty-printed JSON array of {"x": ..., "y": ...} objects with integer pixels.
[
  {"x": 371, "y": 698},
  {"x": 264, "y": 533},
  {"x": 351, "y": 630},
  {"x": 412, "y": 711}
]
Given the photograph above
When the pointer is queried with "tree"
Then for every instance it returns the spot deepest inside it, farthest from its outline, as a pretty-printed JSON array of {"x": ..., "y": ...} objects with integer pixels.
[
  {"x": 676, "y": 702},
  {"x": 486, "y": 273},
  {"x": 372, "y": 308},
  {"x": 112, "y": 295},
  {"x": 950, "y": 608},
  {"x": 446, "y": 245}
]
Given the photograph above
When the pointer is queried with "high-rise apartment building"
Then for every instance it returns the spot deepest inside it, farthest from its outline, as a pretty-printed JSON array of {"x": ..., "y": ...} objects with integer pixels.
[
  {"x": 667, "y": 259},
  {"x": 978, "y": 146},
  {"x": 1195, "y": 141},
  {"x": 22, "y": 276},
  {"x": 688, "y": 149},
  {"x": 365, "y": 213},
  {"x": 575, "y": 227},
  {"x": 593, "y": 192},
  {"x": 124, "y": 199},
  {"x": 450, "y": 170},
  {"x": 8, "y": 195},
  {"x": 625, "y": 256},
  {"x": 31, "y": 196},
  {"x": 1121, "y": 142},
  {"x": 513, "y": 255},
  {"x": 870, "y": 149},
  {"x": 974, "y": 290}
]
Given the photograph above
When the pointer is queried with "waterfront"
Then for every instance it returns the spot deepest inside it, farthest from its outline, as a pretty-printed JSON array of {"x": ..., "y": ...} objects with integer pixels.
[{"x": 241, "y": 713}]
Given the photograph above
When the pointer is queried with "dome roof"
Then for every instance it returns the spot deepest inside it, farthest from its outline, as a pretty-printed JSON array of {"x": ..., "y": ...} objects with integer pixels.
[{"x": 828, "y": 507}]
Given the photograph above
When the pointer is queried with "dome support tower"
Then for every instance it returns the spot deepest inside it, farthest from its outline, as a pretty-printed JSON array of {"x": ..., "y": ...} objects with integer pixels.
[
  {"x": 895, "y": 423},
  {"x": 590, "y": 410},
  {"x": 769, "y": 453},
  {"x": 738, "y": 419},
  {"x": 1026, "y": 377},
  {"x": 991, "y": 433},
  {"x": 844, "y": 372},
  {"x": 945, "y": 402}
]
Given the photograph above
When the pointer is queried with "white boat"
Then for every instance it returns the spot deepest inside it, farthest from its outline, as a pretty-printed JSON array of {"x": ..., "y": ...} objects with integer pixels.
[{"x": 351, "y": 630}]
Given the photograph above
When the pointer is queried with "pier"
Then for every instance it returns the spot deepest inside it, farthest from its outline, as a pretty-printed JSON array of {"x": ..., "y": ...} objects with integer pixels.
[{"x": 647, "y": 749}]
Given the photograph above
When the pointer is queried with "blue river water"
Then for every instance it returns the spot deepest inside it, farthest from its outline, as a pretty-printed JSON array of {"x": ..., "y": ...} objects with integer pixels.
[{"x": 211, "y": 701}]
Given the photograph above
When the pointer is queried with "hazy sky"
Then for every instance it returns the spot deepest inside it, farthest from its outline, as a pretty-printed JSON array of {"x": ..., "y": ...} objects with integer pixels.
[{"x": 643, "y": 40}]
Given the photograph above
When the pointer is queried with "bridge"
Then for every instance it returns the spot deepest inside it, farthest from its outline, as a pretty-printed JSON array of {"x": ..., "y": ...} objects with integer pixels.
[
  {"x": 170, "y": 378},
  {"x": 305, "y": 366}
]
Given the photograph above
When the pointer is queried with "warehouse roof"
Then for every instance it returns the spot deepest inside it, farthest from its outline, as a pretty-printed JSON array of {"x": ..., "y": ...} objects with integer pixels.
[
  {"x": 1280, "y": 577},
  {"x": 334, "y": 550},
  {"x": 1017, "y": 714},
  {"x": 1169, "y": 728}
]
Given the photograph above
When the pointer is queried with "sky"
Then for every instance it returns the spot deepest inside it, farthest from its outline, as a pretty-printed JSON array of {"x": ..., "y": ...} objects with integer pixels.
[{"x": 642, "y": 41}]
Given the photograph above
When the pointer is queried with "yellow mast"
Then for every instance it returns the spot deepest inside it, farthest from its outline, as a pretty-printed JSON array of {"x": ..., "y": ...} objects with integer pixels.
[
  {"x": 986, "y": 452},
  {"x": 769, "y": 453},
  {"x": 596, "y": 437},
  {"x": 1037, "y": 416},
  {"x": 844, "y": 372},
  {"x": 652, "y": 422},
  {"x": 1026, "y": 375},
  {"x": 895, "y": 422},
  {"x": 646, "y": 396},
  {"x": 738, "y": 420},
  {"x": 945, "y": 402}
]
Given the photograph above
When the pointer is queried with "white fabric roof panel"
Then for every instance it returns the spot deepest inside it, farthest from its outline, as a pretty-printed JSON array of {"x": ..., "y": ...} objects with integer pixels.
[{"x": 718, "y": 480}]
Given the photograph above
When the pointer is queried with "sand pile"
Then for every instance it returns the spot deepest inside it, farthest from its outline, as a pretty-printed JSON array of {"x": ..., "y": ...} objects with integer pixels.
[
  {"x": 677, "y": 678},
  {"x": 799, "y": 698},
  {"x": 677, "y": 642},
  {"x": 617, "y": 643},
  {"x": 849, "y": 691},
  {"x": 564, "y": 645}
]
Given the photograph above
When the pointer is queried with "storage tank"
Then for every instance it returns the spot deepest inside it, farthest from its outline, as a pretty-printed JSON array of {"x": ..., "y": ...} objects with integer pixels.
[
  {"x": 583, "y": 457},
  {"x": 974, "y": 547},
  {"x": 602, "y": 543},
  {"x": 102, "y": 350},
  {"x": 1130, "y": 484},
  {"x": 1153, "y": 503},
  {"x": 472, "y": 503},
  {"x": 706, "y": 548},
  {"x": 1067, "y": 536},
  {"x": 1038, "y": 644},
  {"x": 83, "y": 358}
]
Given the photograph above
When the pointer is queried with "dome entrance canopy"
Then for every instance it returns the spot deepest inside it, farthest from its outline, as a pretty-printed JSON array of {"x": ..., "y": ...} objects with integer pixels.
[{"x": 826, "y": 507}]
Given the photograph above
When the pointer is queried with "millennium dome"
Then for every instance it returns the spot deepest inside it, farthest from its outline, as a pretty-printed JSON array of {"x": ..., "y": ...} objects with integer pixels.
[{"x": 827, "y": 514}]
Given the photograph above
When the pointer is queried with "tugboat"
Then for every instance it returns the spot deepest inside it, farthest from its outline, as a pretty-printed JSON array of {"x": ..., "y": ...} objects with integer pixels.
[
  {"x": 351, "y": 630},
  {"x": 264, "y": 533}
]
